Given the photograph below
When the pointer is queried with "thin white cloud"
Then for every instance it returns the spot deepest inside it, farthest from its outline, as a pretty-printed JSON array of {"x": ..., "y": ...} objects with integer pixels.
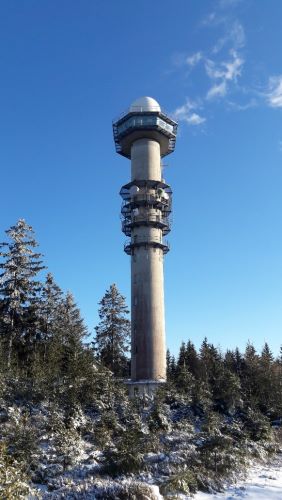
[
  {"x": 223, "y": 63},
  {"x": 280, "y": 146},
  {"x": 187, "y": 114},
  {"x": 234, "y": 36},
  {"x": 212, "y": 70},
  {"x": 274, "y": 94},
  {"x": 195, "y": 119},
  {"x": 233, "y": 68},
  {"x": 223, "y": 73},
  {"x": 210, "y": 19},
  {"x": 194, "y": 59},
  {"x": 252, "y": 103},
  {"x": 237, "y": 35},
  {"x": 217, "y": 90}
]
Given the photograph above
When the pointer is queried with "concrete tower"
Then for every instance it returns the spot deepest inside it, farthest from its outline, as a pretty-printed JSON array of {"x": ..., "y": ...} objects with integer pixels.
[{"x": 145, "y": 134}]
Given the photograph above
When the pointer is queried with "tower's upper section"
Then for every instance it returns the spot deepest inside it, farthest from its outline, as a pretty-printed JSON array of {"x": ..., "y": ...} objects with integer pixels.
[
  {"x": 143, "y": 104},
  {"x": 144, "y": 119}
]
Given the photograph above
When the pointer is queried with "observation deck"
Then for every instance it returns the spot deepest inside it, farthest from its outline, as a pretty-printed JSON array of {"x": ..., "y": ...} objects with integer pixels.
[{"x": 144, "y": 121}]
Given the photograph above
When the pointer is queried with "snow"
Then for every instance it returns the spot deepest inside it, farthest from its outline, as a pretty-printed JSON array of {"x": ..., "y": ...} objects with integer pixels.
[{"x": 263, "y": 482}]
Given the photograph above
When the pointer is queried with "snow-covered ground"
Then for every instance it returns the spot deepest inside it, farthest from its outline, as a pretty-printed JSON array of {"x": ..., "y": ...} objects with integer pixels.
[{"x": 263, "y": 482}]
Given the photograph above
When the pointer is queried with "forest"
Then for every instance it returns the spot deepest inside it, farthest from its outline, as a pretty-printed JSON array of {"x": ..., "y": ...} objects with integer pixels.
[{"x": 69, "y": 429}]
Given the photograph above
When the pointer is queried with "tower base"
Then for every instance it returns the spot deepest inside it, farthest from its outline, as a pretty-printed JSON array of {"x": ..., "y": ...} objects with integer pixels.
[{"x": 143, "y": 388}]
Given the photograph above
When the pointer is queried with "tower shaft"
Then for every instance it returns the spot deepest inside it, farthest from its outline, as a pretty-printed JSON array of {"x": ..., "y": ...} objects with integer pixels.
[
  {"x": 148, "y": 353},
  {"x": 146, "y": 160},
  {"x": 145, "y": 134}
]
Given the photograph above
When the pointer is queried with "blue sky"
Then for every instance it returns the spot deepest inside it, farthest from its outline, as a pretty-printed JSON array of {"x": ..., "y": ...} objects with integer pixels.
[{"x": 67, "y": 68}]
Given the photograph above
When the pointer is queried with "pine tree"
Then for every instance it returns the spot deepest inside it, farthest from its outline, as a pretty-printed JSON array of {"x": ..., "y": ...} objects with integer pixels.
[
  {"x": 208, "y": 360},
  {"x": 112, "y": 333},
  {"x": 267, "y": 380},
  {"x": 181, "y": 361},
  {"x": 19, "y": 290},
  {"x": 173, "y": 369},
  {"x": 50, "y": 308},
  {"x": 71, "y": 331},
  {"x": 69, "y": 355},
  {"x": 250, "y": 375},
  {"x": 168, "y": 363},
  {"x": 266, "y": 355},
  {"x": 192, "y": 359}
]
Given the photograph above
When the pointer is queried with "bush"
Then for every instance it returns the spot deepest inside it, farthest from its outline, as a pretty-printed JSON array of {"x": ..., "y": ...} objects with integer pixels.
[
  {"x": 22, "y": 439},
  {"x": 13, "y": 481},
  {"x": 122, "y": 461},
  {"x": 127, "y": 457},
  {"x": 257, "y": 426},
  {"x": 183, "y": 482}
]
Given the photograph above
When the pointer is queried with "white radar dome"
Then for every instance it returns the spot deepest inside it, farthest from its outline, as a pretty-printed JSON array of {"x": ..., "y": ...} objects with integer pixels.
[{"x": 145, "y": 104}]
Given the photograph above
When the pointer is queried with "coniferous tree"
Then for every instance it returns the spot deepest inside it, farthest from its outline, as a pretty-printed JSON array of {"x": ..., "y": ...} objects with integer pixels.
[
  {"x": 113, "y": 331},
  {"x": 71, "y": 332},
  {"x": 70, "y": 355},
  {"x": 267, "y": 379},
  {"x": 19, "y": 291},
  {"x": 209, "y": 361},
  {"x": 181, "y": 361},
  {"x": 239, "y": 362},
  {"x": 50, "y": 307},
  {"x": 192, "y": 359},
  {"x": 250, "y": 375},
  {"x": 173, "y": 369},
  {"x": 168, "y": 363}
]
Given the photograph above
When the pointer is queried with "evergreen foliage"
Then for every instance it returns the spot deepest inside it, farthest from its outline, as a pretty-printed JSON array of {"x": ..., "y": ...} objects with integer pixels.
[
  {"x": 19, "y": 292},
  {"x": 113, "y": 331},
  {"x": 67, "y": 422}
]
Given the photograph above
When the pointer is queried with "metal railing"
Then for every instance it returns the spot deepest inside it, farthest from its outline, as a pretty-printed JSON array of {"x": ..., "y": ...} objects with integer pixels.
[
  {"x": 146, "y": 199},
  {"x": 140, "y": 109},
  {"x": 129, "y": 246},
  {"x": 162, "y": 223}
]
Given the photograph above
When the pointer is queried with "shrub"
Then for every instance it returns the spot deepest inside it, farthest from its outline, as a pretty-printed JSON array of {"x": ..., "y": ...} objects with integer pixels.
[
  {"x": 182, "y": 482},
  {"x": 13, "y": 481}
]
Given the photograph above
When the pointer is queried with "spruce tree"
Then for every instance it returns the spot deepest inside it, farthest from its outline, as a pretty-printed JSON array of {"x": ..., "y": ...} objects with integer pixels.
[
  {"x": 250, "y": 375},
  {"x": 168, "y": 363},
  {"x": 69, "y": 357},
  {"x": 50, "y": 308},
  {"x": 192, "y": 359},
  {"x": 267, "y": 380},
  {"x": 171, "y": 367},
  {"x": 181, "y": 361},
  {"x": 113, "y": 331},
  {"x": 71, "y": 332},
  {"x": 19, "y": 291}
]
